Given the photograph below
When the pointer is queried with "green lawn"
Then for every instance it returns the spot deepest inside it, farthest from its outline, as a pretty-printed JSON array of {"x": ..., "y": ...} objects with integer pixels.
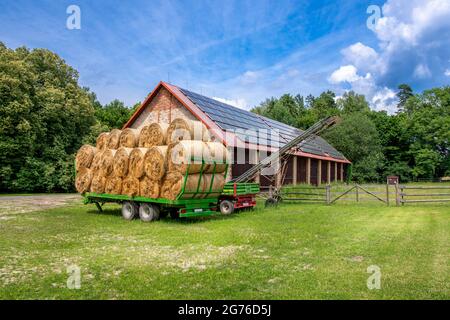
[{"x": 290, "y": 252}]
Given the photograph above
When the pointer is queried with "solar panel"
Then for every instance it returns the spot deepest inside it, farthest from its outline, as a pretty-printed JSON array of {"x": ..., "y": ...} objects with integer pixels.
[{"x": 247, "y": 125}]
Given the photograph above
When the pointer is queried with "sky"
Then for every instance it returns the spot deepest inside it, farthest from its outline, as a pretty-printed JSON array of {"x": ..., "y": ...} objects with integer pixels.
[{"x": 241, "y": 52}]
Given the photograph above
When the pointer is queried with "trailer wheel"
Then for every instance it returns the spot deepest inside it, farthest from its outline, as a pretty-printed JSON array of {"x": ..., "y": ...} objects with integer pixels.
[
  {"x": 129, "y": 210},
  {"x": 226, "y": 207},
  {"x": 148, "y": 212}
]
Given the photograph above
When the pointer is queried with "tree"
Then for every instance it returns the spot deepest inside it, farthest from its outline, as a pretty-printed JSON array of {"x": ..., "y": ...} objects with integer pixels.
[
  {"x": 44, "y": 116},
  {"x": 357, "y": 138},
  {"x": 352, "y": 102},
  {"x": 114, "y": 114},
  {"x": 405, "y": 92}
]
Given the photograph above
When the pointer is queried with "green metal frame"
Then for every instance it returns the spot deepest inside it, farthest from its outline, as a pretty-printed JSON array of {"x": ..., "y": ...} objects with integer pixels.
[{"x": 242, "y": 188}]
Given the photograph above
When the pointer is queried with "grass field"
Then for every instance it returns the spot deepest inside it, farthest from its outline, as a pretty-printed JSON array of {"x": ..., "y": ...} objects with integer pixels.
[{"x": 291, "y": 252}]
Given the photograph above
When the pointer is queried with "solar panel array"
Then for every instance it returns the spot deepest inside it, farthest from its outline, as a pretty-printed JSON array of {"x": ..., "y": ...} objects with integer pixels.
[{"x": 254, "y": 128}]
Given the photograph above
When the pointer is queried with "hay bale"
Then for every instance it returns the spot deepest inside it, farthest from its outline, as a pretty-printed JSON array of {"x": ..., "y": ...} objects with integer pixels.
[
  {"x": 219, "y": 153},
  {"x": 216, "y": 185},
  {"x": 155, "y": 162},
  {"x": 174, "y": 181},
  {"x": 136, "y": 162},
  {"x": 98, "y": 183},
  {"x": 84, "y": 156},
  {"x": 154, "y": 134},
  {"x": 184, "y": 129},
  {"x": 102, "y": 141},
  {"x": 129, "y": 138},
  {"x": 113, "y": 139},
  {"x": 149, "y": 188},
  {"x": 83, "y": 180},
  {"x": 97, "y": 161},
  {"x": 113, "y": 185},
  {"x": 121, "y": 161},
  {"x": 186, "y": 156},
  {"x": 107, "y": 163},
  {"x": 130, "y": 186}
]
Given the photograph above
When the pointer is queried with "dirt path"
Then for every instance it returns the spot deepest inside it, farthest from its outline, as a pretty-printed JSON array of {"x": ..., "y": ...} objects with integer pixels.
[{"x": 10, "y": 205}]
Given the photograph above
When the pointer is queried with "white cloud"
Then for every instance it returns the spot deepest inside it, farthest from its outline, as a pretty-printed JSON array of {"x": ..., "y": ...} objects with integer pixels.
[
  {"x": 239, "y": 103},
  {"x": 347, "y": 73},
  {"x": 412, "y": 48},
  {"x": 422, "y": 71},
  {"x": 250, "y": 77}
]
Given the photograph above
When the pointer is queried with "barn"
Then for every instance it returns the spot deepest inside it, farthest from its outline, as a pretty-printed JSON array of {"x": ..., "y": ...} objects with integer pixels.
[{"x": 249, "y": 137}]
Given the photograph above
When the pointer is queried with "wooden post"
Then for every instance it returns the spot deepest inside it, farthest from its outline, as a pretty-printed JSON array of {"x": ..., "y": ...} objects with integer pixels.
[
  {"x": 342, "y": 172},
  {"x": 397, "y": 195},
  {"x": 294, "y": 170},
  {"x": 308, "y": 170},
  {"x": 328, "y": 172},
  {"x": 319, "y": 172},
  {"x": 387, "y": 193},
  {"x": 401, "y": 194},
  {"x": 255, "y": 160},
  {"x": 357, "y": 193},
  {"x": 328, "y": 194},
  {"x": 335, "y": 171}
]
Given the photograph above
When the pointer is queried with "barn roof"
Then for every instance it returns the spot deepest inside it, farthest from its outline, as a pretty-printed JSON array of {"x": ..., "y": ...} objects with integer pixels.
[{"x": 221, "y": 117}]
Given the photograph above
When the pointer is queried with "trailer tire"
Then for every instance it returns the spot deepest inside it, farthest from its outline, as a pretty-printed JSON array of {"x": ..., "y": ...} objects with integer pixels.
[
  {"x": 148, "y": 212},
  {"x": 226, "y": 207},
  {"x": 129, "y": 210}
]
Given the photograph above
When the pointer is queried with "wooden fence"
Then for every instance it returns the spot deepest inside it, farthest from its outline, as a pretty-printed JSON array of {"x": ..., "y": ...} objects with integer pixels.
[
  {"x": 421, "y": 194},
  {"x": 387, "y": 195}
]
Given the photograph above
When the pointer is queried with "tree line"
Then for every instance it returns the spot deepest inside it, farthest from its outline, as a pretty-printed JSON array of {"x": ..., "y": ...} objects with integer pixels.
[
  {"x": 45, "y": 116},
  {"x": 413, "y": 143}
]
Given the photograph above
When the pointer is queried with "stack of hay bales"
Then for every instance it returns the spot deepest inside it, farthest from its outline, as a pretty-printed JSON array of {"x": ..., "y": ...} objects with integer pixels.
[{"x": 153, "y": 162}]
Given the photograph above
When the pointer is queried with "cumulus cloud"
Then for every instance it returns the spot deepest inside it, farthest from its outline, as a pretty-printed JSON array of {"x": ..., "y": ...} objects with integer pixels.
[
  {"x": 239, "y": 103},
  {"x": 413, "y": 48}
]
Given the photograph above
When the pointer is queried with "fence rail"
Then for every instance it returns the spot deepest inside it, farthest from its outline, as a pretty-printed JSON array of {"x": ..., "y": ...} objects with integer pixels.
[{"x": 422, "y": 192}]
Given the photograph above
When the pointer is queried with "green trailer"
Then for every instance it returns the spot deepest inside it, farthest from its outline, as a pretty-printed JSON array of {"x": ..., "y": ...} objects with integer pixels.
[{"x": 187, "y": 204}]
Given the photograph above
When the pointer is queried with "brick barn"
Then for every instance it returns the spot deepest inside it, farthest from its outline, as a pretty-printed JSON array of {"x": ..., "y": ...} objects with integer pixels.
[{"x": 314, "y": 162}]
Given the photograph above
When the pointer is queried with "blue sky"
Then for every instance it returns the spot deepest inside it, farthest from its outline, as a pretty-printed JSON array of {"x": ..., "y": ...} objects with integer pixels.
[{"x": 241, "y": 51}]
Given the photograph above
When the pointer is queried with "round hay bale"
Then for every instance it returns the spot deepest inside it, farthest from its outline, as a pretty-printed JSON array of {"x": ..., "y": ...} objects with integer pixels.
[
  {"x": 113, "y": 185},
  {"x": 155, "y": 162},
  {"x": 149, "y": 188},
  {"x": 216, "y": 185},
  {"x": 219, "y": 153},
  {"x": 136, "y": 162},
  {"x": 154, "y": 134},
  {"x": 83, "y": 180},
  {"x": 84, "y": 156},
  {"x": 184, "y": 129},
  {"x": 98, "y": 183},
  {"x": 173, "y": 185},
  {"x": 113, "y": 139},
  {"x": 97, "y": 161},
  {"x": 107, "y": 163},
  {"x": 129, "y": 138},
  {"x": 102, "y": 141},
  {"x": 187, "y": 155},
  {"x": 121, "y": 161},
  {"x": 130, "y": 186}
]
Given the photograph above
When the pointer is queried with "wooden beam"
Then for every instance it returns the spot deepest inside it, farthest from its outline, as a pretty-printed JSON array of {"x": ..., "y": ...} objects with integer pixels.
[
  {"x": 319, "y": 172},
  {"x": 294, "y": 170},
  {"x": 308, "y": 170},
  {"x": 328, "y": 172},
  {"x": 342, "y": 172},
  {"x": 335, "y": 172}
]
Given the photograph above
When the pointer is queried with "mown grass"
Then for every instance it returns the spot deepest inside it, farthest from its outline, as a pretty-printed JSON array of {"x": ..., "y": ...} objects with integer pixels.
[{"x": 294, "y": 251}]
